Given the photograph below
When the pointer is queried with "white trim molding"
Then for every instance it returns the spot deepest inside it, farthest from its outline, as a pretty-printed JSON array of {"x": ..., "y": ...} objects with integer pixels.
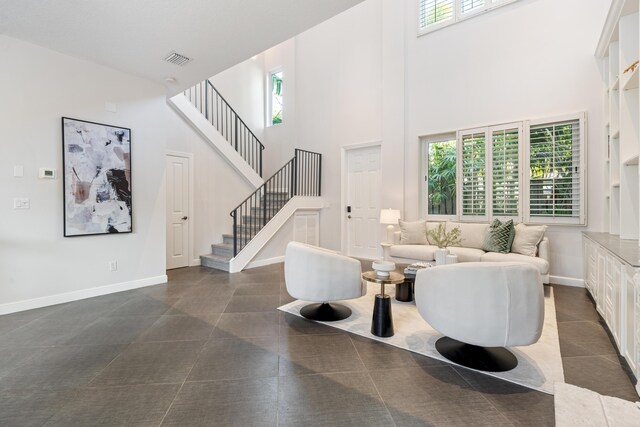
[
  {"x": 30, "y": 304},
  {"x": 567, "y": 281},
  {"x": 263, "y": 262}
]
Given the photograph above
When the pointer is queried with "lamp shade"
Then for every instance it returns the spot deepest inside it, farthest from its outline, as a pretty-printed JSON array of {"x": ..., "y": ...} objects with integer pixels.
[{"x": 389, "y": 216}]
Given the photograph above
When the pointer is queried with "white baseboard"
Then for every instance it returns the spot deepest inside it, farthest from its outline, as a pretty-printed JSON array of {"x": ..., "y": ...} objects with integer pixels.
[
  {"x": 30, "y": 304},
  {"x": 195, "y": 262},
  {"x": 566, "y": 281},
  {"x": 263, "y": 262}
]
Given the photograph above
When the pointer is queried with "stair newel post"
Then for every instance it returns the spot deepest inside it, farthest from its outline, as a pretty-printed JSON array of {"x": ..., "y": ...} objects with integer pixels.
[
  {"x": 206, "y": 101},
  {"x": 236, "y": 132},
  {"x": 294, "y": 176},
  {"x": 264, "y": 204},
  {"x": 235, "y": 233},
  {"x": 319, "y": 174}
]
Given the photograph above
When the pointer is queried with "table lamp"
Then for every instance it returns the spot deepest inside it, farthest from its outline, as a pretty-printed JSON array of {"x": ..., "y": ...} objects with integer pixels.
[{"x": 389, "y": 217}]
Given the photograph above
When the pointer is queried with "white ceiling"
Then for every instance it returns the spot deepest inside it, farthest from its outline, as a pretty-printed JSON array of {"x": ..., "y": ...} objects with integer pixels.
[{"x": 135, "y": 35}]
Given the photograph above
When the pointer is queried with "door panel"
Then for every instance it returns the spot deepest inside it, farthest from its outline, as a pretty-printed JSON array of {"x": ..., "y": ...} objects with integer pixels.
[
  {"x": 177, "y": 173},
  {"x": 363, "y": 195}
]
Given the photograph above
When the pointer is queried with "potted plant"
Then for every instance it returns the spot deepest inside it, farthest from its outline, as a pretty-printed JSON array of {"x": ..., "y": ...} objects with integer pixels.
[{"x": 443, "y": 239}]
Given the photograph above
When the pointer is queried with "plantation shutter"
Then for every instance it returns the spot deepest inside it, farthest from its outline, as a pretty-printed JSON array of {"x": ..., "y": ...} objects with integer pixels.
[
  {"x": 505, "y": 170},
  {"x": 468, "y": 6},
  {"x": 433, "y": 12},
  {"x": 474, "y": 174},
  {"x": 556, "y": 183}
]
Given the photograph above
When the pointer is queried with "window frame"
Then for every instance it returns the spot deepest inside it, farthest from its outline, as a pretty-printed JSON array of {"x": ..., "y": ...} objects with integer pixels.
[
  {"x": 269, "y": 97},
  {"x": 524, "y": 167},
  {"x": 458, "y": 16},
  {"x": 581, "y": 220},
  {"x": 424, "y": 171}
]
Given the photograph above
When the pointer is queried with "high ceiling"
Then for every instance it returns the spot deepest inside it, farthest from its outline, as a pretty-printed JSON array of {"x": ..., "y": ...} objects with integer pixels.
[{"x": 135, "y": 35}]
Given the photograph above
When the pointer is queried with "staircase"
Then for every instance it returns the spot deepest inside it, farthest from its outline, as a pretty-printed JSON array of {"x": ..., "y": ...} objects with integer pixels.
[{"x": 300, "y": 176}]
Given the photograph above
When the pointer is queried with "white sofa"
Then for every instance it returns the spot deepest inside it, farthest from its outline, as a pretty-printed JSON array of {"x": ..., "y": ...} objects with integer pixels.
[{"x": 472, "y": 235}]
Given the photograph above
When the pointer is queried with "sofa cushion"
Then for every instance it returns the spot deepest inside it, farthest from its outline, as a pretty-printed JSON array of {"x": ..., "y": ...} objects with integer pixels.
[
  {"x": 499, "y": 237},
  {"x": 466, "y": 254},
  {"x": 413, "y": 232},
  {"x": 527, "y": 238},
  {"x": 417, "y": 252},
  {"x": 541, "y": 264},
  {"x": 472, "y": 235}
]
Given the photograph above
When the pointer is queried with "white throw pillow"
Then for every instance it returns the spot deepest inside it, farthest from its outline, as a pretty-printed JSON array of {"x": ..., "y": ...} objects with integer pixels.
[
  {"x": 413, "y": 232},
  {"x": 471, "y": 234},
  {"x": 527, "y": 238}
]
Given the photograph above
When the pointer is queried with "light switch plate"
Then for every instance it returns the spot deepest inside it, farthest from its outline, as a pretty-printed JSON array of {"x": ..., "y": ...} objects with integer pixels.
[
  {"x": 18, "y": 171},
  {"x": 21, "y": 203}
]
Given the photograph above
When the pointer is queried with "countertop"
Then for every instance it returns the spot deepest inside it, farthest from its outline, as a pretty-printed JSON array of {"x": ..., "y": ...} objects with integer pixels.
[{"x": 627, "y": 250}]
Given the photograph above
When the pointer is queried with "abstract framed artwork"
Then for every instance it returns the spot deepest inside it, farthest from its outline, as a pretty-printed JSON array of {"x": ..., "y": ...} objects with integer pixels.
[{"x": 97, "y": 178}]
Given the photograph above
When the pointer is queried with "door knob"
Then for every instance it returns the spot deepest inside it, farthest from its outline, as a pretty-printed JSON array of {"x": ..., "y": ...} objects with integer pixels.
[
  {"x": 349, "y": 216},
  {"x": 184, "y": 218}
]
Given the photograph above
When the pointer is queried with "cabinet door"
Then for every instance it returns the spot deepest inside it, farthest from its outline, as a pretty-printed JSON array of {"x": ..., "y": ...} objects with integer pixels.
[
  {"x": 629, "y": 330},
  {"x": 592, "y": 262},
  {"x": 613, "y": 306},
  {"x": 600, "y": 282}
]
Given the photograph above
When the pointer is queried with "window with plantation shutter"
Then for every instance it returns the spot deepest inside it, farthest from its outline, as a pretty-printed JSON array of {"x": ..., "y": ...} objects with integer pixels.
[
  {"x": 473, "y": 173},
  {"x": 467, "y": 6},
  {"x": 434, "y": 12},
  {"x": 505, "y": 170},
  {"x": 555, "y": 161}
]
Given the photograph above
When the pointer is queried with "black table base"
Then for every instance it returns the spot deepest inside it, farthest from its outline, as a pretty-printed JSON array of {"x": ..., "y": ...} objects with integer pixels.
[
  {"x": 491, "y": 359},
  {"x": 382, "y": 322},
  {"x": 404, "y": 291}
]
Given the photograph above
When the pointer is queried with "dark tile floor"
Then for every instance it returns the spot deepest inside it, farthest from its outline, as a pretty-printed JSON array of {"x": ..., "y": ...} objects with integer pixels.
[{"x": 210, "y": 348}]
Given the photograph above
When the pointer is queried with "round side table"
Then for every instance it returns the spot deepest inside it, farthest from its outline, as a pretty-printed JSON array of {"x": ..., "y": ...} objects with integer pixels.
[{"x": 382, "y": 320}]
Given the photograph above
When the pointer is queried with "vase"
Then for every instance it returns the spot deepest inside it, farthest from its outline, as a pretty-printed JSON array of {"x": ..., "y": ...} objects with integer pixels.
[
  {"x": 452, "y": 259},
  {"x": 441, "y": 256}
]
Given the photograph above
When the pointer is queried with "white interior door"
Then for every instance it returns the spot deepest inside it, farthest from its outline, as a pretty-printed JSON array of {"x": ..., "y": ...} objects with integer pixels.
[
  {"x": 177, "y": 172},
  {"x": 363, "y": 202}
]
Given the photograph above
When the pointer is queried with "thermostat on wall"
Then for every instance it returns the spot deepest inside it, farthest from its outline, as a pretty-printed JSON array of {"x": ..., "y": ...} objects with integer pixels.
[{"x": 47, "y": 173}]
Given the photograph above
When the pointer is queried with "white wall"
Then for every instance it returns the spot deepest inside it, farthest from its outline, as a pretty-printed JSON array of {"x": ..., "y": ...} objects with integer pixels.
[
  {"x": 38, "y": 266},
  {"x": 531, "y": 59},
  {"x": 36, "y": 261},
  {"x": 243, "y": 87}
]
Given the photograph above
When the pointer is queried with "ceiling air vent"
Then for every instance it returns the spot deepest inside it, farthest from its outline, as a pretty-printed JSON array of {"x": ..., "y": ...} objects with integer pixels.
[{"x": 177, "y": 59}]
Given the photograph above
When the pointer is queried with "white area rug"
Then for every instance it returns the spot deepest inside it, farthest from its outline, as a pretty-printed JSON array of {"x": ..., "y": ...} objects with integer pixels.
[
  {"x": 539, "y": 365},
  {"x": 577, "y": 406}
]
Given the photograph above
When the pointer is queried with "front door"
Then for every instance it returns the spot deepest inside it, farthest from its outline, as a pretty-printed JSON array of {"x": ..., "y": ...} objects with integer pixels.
[
  {"x": 177, "y": 173},
  {"x": 363, "y": 202}
]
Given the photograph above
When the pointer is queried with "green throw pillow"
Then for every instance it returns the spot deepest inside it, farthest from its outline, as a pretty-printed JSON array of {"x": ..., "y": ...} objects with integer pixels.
[{"x": 499, "y": 236}]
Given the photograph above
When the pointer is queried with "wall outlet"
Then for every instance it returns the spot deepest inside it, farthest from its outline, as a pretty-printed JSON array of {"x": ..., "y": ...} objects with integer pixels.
[{"x": 113, "y": 265}]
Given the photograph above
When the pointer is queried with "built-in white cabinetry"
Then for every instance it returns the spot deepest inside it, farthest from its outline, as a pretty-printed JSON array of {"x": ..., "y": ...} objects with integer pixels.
[
  {"x": 619, "y": 49},
  {"x": 612, "y": 277}
]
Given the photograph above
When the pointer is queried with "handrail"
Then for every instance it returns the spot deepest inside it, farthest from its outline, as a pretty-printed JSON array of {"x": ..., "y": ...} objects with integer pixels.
[
  {"x": 215, "y": 108},
  {"x": 300, "y": 176},
  {"x": 234, "y": 111}
]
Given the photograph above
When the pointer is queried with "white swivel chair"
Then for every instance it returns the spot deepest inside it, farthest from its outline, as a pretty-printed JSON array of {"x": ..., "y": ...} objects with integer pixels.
[
  {"x": 316, "y": 274},
  {"x": 482, "y": 307}
]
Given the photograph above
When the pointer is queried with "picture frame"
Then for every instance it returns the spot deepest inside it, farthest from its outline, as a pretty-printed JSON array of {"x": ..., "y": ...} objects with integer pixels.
[{"x": 97, "y": 183}]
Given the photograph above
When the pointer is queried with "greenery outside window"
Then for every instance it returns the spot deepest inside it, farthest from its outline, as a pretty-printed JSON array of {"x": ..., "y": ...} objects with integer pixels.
[
  {"x": 555, "y": 183},
  {"x": 440, "y": 175}
]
